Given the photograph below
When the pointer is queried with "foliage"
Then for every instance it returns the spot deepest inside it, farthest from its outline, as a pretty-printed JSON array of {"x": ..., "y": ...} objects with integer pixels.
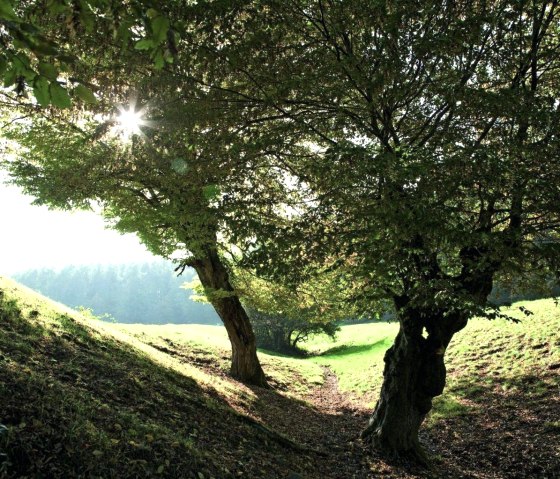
[
  {"x": 425, "y": 132},
  {"x": 37, "y": 59},
  {"x": 284, "y": 334},
  {"x": 428, "y": 159},
  {"x": 415, "y": 144},
  {"x": 172, "y": 185},
  {"x": 284, "y": 317}
]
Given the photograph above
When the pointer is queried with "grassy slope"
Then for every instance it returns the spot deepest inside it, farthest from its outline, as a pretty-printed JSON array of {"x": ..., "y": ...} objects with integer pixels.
[
  {"x": 81, "y": 399},
  {"x": 479, "y": 354},
  {"x": 89, "y": 398},
  {"x": 484, "y": 355},
  {"x": 500, "y": 413}
]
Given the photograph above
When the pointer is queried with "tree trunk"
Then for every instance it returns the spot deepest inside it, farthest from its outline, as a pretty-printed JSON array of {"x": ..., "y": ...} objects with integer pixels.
[
  {"x": 414, "y": 374},
  {"x": 214, "y": 277}
]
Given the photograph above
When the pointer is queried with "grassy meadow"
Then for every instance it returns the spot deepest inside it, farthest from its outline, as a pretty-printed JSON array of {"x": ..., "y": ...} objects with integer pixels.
[{"x": 479, "y": 354}]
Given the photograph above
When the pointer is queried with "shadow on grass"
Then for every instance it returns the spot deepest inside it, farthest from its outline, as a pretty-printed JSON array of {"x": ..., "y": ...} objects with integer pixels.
[
  {"x": 295, "y": 354},
  {"x": 357, "y": 348},
  {"x": 505, "y": 426},
  {"x": 78, "y": 405},
  {"x": 75, "y": 405}
]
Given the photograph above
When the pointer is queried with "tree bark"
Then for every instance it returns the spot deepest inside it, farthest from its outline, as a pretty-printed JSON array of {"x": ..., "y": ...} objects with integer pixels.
[
  {"x": 213, "y": 275},
  {"x": 414, "y": 374}
]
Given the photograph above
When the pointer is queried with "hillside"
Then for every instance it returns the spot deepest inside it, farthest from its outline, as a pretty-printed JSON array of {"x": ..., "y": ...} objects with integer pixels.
[{"x": 84, "y": 398}]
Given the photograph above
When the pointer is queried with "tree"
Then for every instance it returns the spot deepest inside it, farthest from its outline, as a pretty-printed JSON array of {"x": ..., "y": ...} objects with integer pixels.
[
  {"x": 36, "y": 58},
  {"x": 144, "y": 191},
  {"x": 429, "y": 135},
  {"x": 283, "y": 317},
  {"x": 415, "y": 142},
  {"x": 172, "y": 189}
]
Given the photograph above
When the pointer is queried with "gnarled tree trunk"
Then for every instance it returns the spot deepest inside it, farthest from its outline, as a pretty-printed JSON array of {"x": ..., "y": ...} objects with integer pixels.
[
  {"x": 414, "y": 374},
  {"x": 214, "y": 277}
]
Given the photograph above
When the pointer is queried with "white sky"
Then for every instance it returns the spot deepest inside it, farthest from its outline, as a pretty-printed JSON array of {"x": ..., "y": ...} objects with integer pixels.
[{"x": 36, "y": 237}]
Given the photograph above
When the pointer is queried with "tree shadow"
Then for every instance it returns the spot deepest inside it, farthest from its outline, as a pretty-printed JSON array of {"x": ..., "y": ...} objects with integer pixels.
[
  {"x": 345, "y": 350},
  {"x": 75, "y": 403},
  {"x": 511, "y": 428}
]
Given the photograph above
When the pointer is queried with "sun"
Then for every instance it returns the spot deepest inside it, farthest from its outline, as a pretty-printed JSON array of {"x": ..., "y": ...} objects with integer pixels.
[{"x": 129, "y": 120}]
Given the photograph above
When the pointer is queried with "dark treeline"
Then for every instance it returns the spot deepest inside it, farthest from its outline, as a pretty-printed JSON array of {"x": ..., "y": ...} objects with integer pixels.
[{"x": 148, "y": 293}]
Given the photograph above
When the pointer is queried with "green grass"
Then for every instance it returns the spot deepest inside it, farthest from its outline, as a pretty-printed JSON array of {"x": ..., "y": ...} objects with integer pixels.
[
  {"x": 496, "y": 354},
  {"x": 210, "y": 345},
  {"x": 98, "y": 395},
  {"x": 500, "y": 348},
  {"x": 356, "y": 357},
  {"x": 80, "y": 398},
  {"x": 445, "y": 407}
]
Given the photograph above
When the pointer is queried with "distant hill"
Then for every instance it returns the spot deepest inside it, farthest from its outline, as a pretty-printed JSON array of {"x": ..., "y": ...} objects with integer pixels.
[{"x": 147, "y": 293}]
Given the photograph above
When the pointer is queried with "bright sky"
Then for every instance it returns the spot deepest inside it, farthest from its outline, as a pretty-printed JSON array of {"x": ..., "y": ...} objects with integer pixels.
[{"x": 36, "y": 237}]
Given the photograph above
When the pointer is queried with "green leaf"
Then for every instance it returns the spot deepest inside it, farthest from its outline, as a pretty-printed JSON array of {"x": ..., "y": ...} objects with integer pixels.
[
  {"x": 48, "y": 70},
  {"x": 29, "y": 28},
  {"x": 44, "y": 48},
  {"x": 145, "y": 44},
  {"x": 29, "y": 75},
  {"x": 85, "y": 94},
  {"x": 152, "y": 13},
  {"x": 3, "y": 64},
  {"x": 210, "y": 192},
  {"x": 159, "y": 61},
  {"x": 59, "y": 96},
  {"x": 7, "y": 11},
  {"x": 87, "y": 18},
  {"x": 10, "y": 77},
  {"x": 179, "y": 165},
  {"x": 22, "y": 61},
  {"x": 69, "y": 59},
  {"x": 160, "y": 26},
  {"x": 41, "y": 90},
  {"x": 57, "y": 7},
  {"x": 168, "y": 56}
]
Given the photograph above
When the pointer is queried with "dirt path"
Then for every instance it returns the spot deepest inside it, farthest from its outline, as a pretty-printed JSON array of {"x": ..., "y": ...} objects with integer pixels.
[
  {"x": 329, "y": 399},
  {"x": 505, "y": 435},
  {"x": 326, "y": 421}
]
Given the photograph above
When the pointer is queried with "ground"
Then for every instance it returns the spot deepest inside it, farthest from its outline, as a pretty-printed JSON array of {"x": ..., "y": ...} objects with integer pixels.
[{"x": 83, "y": 398}]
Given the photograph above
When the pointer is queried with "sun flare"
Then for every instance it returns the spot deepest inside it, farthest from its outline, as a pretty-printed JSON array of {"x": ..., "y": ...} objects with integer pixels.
[{"x": 129, "y": 120}]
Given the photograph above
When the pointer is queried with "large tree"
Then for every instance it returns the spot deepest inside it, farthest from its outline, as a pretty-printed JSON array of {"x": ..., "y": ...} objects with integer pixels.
[
  {"x": 175, "y": 185},
  {"x": 421, "y": 138},
  {"x": 429, "y": 135},
  {"x": 168, "y": 189}
]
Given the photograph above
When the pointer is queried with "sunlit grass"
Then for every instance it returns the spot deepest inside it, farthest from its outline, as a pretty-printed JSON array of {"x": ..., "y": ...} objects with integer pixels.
[
  {"x": 356, "y": 357},
  {"x": 484, "y": 356},
  {"x": 210, "y": 343}
]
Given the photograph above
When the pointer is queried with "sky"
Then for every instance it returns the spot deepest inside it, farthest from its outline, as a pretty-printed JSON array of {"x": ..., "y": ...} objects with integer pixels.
[{"x": 36, "y": 237}]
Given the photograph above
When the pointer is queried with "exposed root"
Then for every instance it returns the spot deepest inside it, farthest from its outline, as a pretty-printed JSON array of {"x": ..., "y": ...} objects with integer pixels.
[{"x": 279, "y": 438}]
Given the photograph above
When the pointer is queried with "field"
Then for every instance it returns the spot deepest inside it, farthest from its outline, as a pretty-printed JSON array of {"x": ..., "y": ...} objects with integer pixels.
[{"x": 81, "y": 397}]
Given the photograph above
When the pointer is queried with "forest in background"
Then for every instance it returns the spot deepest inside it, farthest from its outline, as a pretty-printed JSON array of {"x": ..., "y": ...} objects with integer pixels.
[{"x": 147, "y": 293}]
